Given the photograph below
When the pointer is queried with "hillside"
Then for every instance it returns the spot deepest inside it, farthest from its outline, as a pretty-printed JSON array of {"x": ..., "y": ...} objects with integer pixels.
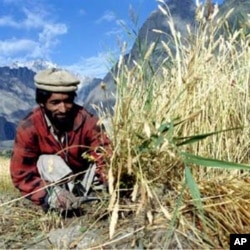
[{"x": 17, "y": 98}]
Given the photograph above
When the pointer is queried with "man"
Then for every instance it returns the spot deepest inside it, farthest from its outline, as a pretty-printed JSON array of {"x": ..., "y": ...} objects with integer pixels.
[{"x": 59, "y": 147}]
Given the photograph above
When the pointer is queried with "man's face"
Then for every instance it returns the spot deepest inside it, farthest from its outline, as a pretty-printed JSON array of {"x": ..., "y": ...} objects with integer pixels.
[{"x": 59, "y": 110}]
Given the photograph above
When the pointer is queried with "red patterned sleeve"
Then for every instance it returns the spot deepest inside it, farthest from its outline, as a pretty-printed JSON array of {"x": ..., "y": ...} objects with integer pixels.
[
  {"x": 100, "y": 146},
  {"x": 23, "y": 168}
]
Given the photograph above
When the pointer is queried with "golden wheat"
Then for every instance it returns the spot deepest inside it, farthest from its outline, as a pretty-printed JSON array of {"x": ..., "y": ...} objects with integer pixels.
[{"x": 5, "y": 179}]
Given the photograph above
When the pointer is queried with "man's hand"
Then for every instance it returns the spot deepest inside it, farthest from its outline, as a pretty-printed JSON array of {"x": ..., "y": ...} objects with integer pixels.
[{"x": 61, "y": 199}]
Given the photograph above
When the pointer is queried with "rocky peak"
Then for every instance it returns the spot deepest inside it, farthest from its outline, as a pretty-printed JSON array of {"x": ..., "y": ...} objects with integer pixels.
[
  {"x": 35, "y": 65},
  {"x": 17, "y": 98}
]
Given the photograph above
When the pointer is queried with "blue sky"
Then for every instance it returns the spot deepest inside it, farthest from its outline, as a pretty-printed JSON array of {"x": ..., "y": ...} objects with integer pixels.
[{"x": 76, "y": 34}]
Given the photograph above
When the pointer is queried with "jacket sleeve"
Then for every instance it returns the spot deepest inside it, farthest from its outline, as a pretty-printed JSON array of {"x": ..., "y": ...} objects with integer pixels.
[
  {"x": 23, "y": 168},
  {"x": 100, "y": 146}
]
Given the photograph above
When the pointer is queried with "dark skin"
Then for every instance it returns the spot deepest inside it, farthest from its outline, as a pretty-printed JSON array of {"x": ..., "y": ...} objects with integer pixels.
[{"x": 59, "y": 109}]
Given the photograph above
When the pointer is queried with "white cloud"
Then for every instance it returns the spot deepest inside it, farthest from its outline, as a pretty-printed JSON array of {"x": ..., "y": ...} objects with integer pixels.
[
  {"x": 48, "y": 35},
  {"x": 41, "y": 33},
  {"x": 25, "y": 19},
  {"x": 33, "y": 32},
  {"x": 117, "y": 29},
  {"x": 108, "y": 16},
  {"x": 14, "y": 46},
  {"x": 92, "y": 67},
  {"x": 33, "y": 19},
  {"x": 9, "y": 22}
]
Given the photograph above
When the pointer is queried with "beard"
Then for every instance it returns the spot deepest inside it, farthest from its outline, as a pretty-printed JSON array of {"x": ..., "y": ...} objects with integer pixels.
[{"x": 62, "y": 122}]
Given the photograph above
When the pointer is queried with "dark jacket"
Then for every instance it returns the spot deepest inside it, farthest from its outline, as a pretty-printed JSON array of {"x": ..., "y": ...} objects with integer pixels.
[{"x": 33, "y": 138}]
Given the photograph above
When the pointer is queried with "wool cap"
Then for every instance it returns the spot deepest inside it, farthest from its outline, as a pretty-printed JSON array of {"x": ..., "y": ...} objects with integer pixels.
[{"x": 56, "y": 80}]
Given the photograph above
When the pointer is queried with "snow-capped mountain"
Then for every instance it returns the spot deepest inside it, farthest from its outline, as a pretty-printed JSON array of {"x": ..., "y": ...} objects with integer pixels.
[{"x": 35, "y": 66}]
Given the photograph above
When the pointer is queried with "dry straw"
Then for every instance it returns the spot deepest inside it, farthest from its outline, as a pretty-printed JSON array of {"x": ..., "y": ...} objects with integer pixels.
[{"x": 202, "y": 87}]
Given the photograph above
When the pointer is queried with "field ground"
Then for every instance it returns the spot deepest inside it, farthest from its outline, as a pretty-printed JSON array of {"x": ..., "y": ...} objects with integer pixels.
[{"x": 23, "y": 225}]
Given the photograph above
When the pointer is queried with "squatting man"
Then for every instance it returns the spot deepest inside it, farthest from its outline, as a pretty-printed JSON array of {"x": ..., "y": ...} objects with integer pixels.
[{"x": 48, "y": 164}]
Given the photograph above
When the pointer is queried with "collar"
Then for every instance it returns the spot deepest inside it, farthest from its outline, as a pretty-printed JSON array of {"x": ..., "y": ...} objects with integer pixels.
[{"x": 52, "y": 129}]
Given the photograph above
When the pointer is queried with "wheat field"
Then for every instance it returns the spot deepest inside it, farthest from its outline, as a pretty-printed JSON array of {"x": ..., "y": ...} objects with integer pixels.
[{"x": 6, "y": 185}]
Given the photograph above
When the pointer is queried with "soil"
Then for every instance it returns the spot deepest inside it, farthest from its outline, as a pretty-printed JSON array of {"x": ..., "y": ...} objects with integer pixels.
[{"x": 26, "y": 226}]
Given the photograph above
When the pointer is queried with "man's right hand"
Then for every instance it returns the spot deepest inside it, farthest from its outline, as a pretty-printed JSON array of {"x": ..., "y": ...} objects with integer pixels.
[{"x": 61, "y": 199}]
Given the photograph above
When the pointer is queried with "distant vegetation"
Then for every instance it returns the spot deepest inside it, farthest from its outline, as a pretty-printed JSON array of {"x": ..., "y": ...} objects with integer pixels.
[
  {"x": 6, "y": 185},
  {"x": 5, "y": 153}
]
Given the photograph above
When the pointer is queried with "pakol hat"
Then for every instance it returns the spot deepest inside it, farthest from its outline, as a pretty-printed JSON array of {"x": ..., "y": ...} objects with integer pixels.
[{"x": 56, "y": 80}]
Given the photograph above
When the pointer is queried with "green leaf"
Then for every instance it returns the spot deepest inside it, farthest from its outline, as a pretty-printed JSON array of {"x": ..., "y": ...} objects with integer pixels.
[
  {"x": 196, "y": 196},
  {"x": 157, "y": 140},
  {"x": 208, "y": 162},
  {"x": 173, "y": 223},
  {"x": 195, "y": 138},
  {"x": 144, "y": 147},
  {"x": 164, "y": 127},
  {"x": 194, "y": 190},
  {"x": 83, "y": 229},
  {"x": 170, "y": 132}
]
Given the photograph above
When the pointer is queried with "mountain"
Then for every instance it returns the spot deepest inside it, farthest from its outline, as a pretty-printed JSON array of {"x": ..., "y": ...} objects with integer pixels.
[
  {"x": 86, "y": 85},
  {"x": 17, "y": 92},
  {"x": 17, "y": 98},
  {"x": 240, "y": 17},
  {"x": 35, "y": 66},
  {"x": 183, "y": 13}
]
